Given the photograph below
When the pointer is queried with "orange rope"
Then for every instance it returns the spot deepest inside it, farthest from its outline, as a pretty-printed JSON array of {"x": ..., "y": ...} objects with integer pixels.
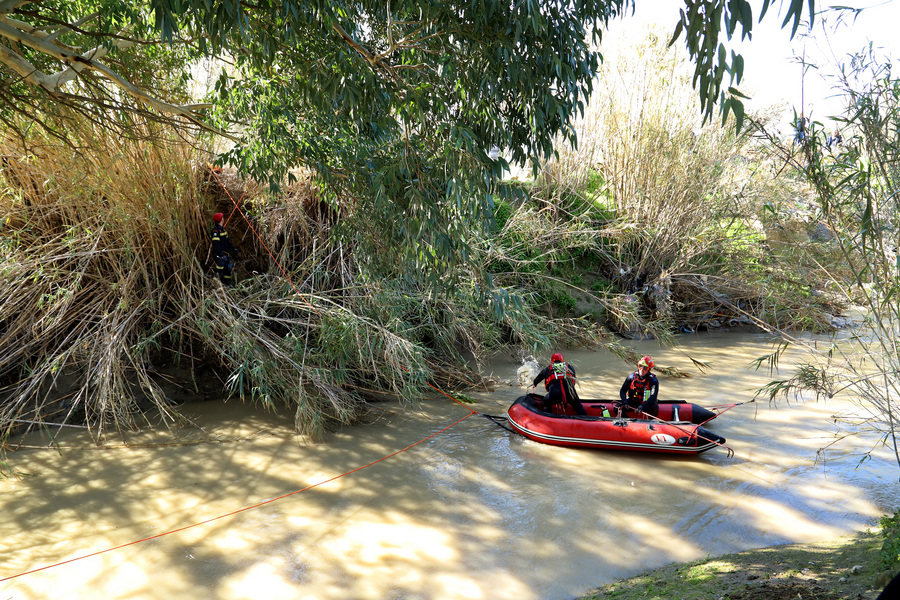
[
  {"x": 240, "y": 510},
  {"x": 236, "y": 204},
  {"x": 715, "y": 409},
  {"x": 472, "y": 412},
  {"x": 265, "y": 502},
  {"x": 262, "y": 243}
]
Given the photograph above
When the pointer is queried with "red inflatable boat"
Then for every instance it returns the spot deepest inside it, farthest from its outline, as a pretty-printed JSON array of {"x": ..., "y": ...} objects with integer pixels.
[
  {"x": 669, "y": 410},
  {"x": 680, "y": 436}
]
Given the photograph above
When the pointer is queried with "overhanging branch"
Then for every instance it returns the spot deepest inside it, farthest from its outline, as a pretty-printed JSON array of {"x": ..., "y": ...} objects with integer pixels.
[{"x": 77, "y": 63}]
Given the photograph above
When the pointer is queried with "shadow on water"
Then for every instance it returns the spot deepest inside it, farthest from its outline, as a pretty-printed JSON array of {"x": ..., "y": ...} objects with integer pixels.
[{"x": 474, "y": 512}]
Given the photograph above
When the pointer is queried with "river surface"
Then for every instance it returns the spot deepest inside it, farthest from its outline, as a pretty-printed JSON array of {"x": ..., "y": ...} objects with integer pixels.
[{"x": 473, "y": 512}]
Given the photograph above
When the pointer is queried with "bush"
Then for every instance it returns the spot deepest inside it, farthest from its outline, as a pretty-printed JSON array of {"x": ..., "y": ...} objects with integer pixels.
[
  {"x": 890, "y": 549},
  {"x": 560, "y": 299},
  {"x": 502, "y": 212}
]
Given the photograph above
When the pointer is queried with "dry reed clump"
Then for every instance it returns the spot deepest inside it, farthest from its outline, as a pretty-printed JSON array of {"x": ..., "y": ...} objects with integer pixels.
[
  {"x": 107, "y": 275},
  {"x": 664, "y": 173},
  {"x": 93, "y": 243},
  {"x": 674, "y": 206},
  {"x": 522, "y": 255}
]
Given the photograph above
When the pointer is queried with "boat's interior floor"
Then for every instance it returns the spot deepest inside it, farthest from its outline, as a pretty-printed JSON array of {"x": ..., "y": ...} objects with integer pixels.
[{"x": 534, "y": 401}]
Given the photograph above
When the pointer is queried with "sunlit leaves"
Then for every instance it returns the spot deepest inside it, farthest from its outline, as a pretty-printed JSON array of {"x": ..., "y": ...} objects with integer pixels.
[
  {"x": 702, "y": 22},
  {"x": 395, "y": 106}
]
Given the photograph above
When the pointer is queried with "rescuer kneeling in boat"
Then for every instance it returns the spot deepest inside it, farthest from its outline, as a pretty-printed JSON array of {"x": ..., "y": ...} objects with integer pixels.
[
  {"x": 559, "y": 379},
  {"x": 638, "y": 393}
]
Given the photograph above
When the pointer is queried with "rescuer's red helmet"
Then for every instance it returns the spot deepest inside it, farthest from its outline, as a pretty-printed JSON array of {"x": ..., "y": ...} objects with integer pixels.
[
  {"x": 646, "y": 362},
  {"x": 218, "y": 217},
  {"x": 556, "y": 358}
]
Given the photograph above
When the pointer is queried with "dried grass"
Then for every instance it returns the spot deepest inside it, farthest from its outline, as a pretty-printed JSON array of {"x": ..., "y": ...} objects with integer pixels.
[
  {"x": 651, "y": 190},
  {"x": 106, "y": 271}
]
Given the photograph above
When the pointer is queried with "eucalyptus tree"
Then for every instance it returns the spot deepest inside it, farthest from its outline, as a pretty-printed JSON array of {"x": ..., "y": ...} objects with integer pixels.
[
  {"x": 393, "y": 104},
  {"x": 100, "y": 59}
]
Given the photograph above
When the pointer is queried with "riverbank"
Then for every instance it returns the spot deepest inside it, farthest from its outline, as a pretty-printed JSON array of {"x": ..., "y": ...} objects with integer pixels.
[
  {"x": 846, "y": 568},
  {"x": 473, "y": 511}
]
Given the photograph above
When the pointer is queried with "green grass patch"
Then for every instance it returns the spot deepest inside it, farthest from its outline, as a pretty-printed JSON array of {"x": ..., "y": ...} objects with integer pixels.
[{"x": 847, "y": 567}]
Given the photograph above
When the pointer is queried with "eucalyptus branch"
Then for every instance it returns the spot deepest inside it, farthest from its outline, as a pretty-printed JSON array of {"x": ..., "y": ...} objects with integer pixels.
[
  {"x": 49, "y": 37},
  {"x": 8, "y": 6},
  {"x": 43, "y": 43}
]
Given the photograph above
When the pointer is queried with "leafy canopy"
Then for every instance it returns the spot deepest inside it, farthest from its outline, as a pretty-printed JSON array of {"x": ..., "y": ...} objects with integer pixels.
[
  {"x": 519, "y": 70},
  {"x": 394, "y": 105}
]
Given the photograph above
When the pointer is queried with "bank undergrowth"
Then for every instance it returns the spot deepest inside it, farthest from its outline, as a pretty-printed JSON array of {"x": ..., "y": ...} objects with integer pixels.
[
  {"x": 107, "y": 276},
  {"x": 651, "y": 228},
  {"x": 658, "y": 223}
]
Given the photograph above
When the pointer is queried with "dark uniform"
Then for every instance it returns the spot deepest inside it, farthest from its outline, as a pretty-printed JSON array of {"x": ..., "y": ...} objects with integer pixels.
[
  {"x": 223, "y": 250},
  {"x": 558, "y": 378},
  {"x": 640, "y": 393}
]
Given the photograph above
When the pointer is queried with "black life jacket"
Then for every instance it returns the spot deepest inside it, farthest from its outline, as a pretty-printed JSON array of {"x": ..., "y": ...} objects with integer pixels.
[{"x": 638, "y": 387}]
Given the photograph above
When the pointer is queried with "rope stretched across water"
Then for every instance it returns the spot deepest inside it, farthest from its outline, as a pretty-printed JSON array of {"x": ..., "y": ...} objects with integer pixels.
[{"x": 239, "y": 510}]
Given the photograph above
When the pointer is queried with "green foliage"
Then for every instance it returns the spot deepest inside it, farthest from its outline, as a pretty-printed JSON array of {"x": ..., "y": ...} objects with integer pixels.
[
  {"x": 502, "y": 213},
  {"x": 855, "y": 191},
  {"x": 393, "y": 106},
  {"x": 464, "y": 398},
  {"x": 890, "y": 547},
  {"x": 395, "y": 110},
  {"x": 561, "y": 301},
  {"x": 756, "y": 573},
  {"x": 602, "y": 286},
  {"x": 118, "y": 71},
  {"x": 742, "y": 235},
  {"x": 594, "y": 186},
  {"x": 702, "y": 24},
  {"x": 565, "y": 302},
  {"x": 511, "y": 74},
  {"x": 661, "y": 203},
  {"x": 102, "y": 297}
]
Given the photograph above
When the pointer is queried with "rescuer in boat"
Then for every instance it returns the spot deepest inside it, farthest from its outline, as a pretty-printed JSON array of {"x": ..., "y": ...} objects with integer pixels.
[
  {"x": 559, "y": 379},
  {"x": 638, "y": 393}
]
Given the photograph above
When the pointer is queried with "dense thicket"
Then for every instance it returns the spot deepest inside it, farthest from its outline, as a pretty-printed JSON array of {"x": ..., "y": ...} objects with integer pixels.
[{"x": 403, "y": 251}]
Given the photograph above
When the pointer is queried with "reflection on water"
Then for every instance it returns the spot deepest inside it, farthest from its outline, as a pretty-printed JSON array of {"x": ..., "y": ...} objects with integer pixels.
[{"x": 474, "y": 512}]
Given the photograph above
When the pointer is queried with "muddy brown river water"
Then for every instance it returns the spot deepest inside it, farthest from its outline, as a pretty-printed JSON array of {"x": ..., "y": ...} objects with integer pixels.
[{"x": 474, "y": 512}]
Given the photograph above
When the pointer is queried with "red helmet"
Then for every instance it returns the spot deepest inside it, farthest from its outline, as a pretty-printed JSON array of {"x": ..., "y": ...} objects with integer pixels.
[
  {"x": 646, "y": 362},
  {"x": 218, "y": 217},
  {"x": 556, "y": 358}
]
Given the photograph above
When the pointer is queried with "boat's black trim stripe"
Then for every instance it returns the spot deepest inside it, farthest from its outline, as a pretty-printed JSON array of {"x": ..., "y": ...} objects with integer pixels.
[{"x": 611, "y": 444}]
